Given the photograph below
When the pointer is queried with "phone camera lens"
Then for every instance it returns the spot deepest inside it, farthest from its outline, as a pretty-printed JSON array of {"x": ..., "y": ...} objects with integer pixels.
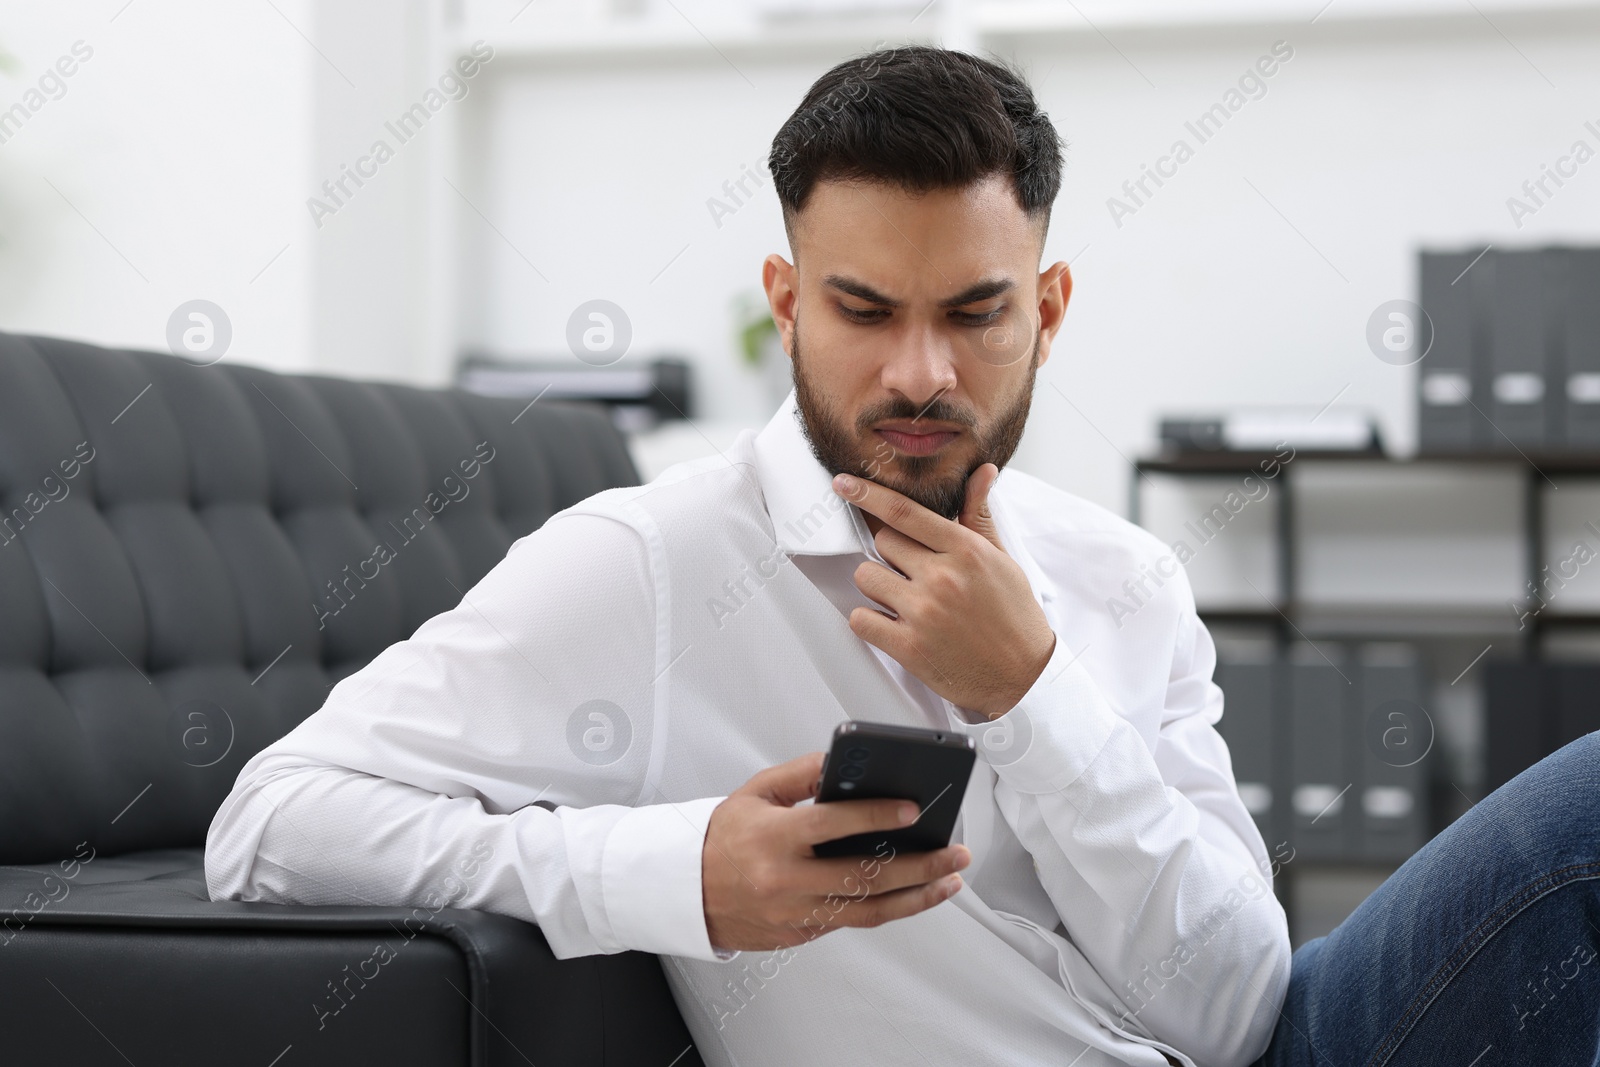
[
  {"x": 852, "y": 772},
  {"x": 859, "y": 754}
]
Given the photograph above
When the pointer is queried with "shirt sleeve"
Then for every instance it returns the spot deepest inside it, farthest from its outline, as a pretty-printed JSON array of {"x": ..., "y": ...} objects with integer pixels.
[
  {"x": 494, "y": 760},
  {"x": 1154, "y": 865}
]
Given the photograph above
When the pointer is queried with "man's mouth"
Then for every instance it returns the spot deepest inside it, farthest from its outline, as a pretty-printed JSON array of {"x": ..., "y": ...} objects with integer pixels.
[{"x": 914, "y": 439}]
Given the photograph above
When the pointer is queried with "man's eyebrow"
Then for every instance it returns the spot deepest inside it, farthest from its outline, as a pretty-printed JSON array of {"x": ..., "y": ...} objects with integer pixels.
[
  {"x": 984, "y": 290},
  {"x": 981, "y": 291},
  {"x": 859, "y": 290}
]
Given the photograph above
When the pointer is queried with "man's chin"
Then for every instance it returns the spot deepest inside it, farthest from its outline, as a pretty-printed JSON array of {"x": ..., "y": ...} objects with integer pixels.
[{"x": 938, "y": 483}]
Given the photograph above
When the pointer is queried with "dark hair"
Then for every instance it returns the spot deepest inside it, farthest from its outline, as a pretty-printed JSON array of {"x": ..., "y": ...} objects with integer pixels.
[{"x": 920, "y": 118}]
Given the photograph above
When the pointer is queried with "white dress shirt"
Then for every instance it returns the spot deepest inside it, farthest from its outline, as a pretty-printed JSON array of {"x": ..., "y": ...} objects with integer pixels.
[{"x": 553, "y": 747}]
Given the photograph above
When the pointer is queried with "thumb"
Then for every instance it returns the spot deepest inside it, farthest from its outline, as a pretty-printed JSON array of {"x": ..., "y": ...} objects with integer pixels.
[
  {"x": 975, "y": 514},
  {"x": 789, "y": 783}
]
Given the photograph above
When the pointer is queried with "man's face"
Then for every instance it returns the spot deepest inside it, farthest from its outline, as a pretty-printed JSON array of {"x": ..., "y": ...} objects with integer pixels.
[{"x": 925, "y": 322}]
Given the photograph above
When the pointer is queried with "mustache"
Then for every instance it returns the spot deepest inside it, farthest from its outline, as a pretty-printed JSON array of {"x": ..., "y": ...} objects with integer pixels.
[{"x": 900, "y": 407}]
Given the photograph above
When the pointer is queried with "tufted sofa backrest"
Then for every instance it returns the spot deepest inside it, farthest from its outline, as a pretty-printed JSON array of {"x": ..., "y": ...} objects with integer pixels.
[{"x": 191, "y": 557}]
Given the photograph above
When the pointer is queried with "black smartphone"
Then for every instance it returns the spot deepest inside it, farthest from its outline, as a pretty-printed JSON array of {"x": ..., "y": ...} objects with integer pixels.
[{"x": 871, "y": 761}]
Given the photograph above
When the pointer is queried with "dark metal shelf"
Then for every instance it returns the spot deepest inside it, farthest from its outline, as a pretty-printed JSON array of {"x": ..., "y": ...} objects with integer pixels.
[
  {"x": 1241, "y": 617},
  {"x": 1224, "y": 462},
  {"x": 1569, "y": 619},
  {"x": 1382, "y": 622},
  {"x": 1289, "y": 612},
  {"x": 1227, "y": 462}
]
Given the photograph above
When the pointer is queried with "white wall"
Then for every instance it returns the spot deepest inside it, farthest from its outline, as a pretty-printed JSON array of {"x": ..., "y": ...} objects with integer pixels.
[
  {"x": 179, "y": 162},
  {"x": 172, "y": 168},
  {"x": 1373, "y": 139},
  {"x": 194, "y": 137},
  {"x": 598, "y": 177},
  {"x": 382, "y": 300},
  {"x": 1377, "y": 136}
]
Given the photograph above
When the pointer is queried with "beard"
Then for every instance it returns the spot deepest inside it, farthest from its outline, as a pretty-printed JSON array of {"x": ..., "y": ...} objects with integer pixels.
[{"x": 842, "y": 449}]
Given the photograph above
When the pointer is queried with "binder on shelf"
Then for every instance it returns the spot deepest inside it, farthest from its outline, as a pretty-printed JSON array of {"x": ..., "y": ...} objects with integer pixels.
[
  {"x": 1394, "y": 738},
  {"x": 1320, "y": 785},
  {"x": 1331, "y": 746},
  {"x": 1575, "y": 696},
  {"x": 1520, "y": 307},
  {"x": 1581, "y": 349},
  {"x": 1534, "y": 708},
  {"x": 1246, "y": 674},
  {"x": 1448, "y": 381},
  {"x": 1518, "y": 735}
]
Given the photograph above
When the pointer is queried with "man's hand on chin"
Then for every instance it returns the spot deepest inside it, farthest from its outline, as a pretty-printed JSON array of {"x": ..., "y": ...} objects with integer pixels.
[{"x": 967, "y": 624}]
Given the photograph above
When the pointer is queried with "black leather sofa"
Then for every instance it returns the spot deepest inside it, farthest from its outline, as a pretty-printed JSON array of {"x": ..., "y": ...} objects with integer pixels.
[{"x": 167, "y": 536}]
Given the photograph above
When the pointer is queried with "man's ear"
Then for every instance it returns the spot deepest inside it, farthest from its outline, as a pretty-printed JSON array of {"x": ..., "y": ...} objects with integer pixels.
[
  {"x": 781, "y": 280},
  {"x": 1055, "y": 289}
]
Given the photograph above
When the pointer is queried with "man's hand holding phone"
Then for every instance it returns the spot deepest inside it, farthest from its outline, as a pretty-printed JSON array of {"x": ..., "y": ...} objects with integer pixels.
[{"x": 763, "y": 889}]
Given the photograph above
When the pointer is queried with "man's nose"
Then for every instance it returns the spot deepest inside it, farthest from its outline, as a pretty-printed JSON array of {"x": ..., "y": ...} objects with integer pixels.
[{"x": 921, "y": 368}]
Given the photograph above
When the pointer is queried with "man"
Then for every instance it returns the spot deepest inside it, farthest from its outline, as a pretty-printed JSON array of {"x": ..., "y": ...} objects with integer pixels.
[{"x": 619, "y": 723}]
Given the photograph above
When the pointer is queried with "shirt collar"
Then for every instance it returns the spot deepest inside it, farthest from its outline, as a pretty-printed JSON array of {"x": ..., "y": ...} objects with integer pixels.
[{"x": 808, "y": 517}]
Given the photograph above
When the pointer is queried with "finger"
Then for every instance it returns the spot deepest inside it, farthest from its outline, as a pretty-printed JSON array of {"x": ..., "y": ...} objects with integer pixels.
[
  {"x": 894, "y": 637},
  {"x": 879, "y": 583},
  {"x": 975, "y": 514},
  {"x": 787, "y": 783},
  {"x": 900, "y": 904},
  {"x": 905, "y": 553},
  {"x": 878, "y": 630},
  {"x": 898, "y": 510},
  {"x": 841, "y": 818},
  {"x": 862, "y": 876}
]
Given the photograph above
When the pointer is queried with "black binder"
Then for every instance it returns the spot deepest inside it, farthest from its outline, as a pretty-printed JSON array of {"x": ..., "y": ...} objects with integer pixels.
[
  {"x": 1576, "y": 700},
  {"x": 1449, "y": 381},
  {"x": 1581, "y": 349},
  {"x": 1519, "y": 730},
  {"x": 1521, "y": 308},
  {"x": 1534, "y": 709},
  {"x": 1396, "y": 748},
  {"x": 1320, "y": 801}
]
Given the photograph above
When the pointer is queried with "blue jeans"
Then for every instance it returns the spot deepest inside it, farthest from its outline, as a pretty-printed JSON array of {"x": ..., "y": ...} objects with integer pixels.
[{"x": 1483, "y": 950}]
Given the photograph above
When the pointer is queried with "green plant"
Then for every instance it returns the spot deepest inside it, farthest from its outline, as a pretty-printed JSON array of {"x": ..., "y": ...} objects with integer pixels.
[{"x": 753, "y": 325}]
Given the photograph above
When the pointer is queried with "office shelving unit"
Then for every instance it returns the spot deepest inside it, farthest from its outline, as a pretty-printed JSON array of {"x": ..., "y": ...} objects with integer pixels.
[{"x": 1289, "y": 617}]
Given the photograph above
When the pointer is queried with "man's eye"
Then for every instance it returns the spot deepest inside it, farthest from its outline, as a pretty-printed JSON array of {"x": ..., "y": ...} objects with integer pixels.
[
  {"x": 862, "y": 314},
  {"x": 976, "y": 318}
]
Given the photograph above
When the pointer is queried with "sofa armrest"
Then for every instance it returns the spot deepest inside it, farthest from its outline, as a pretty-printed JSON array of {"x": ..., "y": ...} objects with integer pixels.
[{"x": 130, "y": 954}]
